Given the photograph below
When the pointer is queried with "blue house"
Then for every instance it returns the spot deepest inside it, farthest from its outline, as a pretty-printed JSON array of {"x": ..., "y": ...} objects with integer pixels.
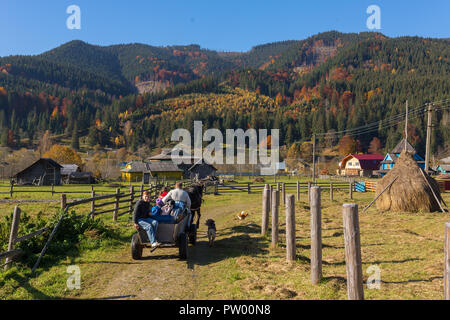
[{"x": 390, "y": 158}]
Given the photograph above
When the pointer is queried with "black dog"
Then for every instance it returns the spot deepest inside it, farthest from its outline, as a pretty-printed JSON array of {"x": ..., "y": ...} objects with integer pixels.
[{"x": 211, "y": 231}]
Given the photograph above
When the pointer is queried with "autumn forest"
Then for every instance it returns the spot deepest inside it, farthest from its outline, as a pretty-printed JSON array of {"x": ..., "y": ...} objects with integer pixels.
[{"x": 130, "y": 95}]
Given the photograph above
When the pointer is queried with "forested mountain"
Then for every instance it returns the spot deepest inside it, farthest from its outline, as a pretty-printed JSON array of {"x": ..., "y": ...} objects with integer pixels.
[{"x": 326, "y": 83}]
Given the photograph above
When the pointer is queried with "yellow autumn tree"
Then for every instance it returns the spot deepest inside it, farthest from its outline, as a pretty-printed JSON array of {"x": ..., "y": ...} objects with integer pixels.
[{"x": 63, "y": 155}]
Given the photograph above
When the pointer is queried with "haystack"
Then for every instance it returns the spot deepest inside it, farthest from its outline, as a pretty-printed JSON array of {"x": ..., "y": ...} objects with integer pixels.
[{"x": 410, "y": 192}]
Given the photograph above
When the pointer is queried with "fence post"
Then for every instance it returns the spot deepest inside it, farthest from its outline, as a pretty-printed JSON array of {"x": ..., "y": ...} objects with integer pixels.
[
  {"x": 350, "y": 190},
  {"x": 309, "y": 192},
  {"x": 93, "y": 203},
  {"x": 290, "y": 228},
  {"x": 284, "y": 193},
  {"x": 331, "y": 191},
  {"x": 63, "y": 201},
  {"x": 11, "y": 189},
  {"x": 447, "y": 262},
  {"x": 298, "y": 191},
  {"x": 355, "y": 288},
  {"x": 116, "y": 205},
  {"x": 53, "y": 189},
  {"x": 275, "y": 204},
  {"x": 265, "y": 210},
  {"x": 316, "y": 236},
  {"x": 13, "y": 234},
  {"x": 142, "y": 190},
  {"x": 131, "y": 198},
  {"x": 248, "y": 187},
  {"x": 216, "y": 189}
]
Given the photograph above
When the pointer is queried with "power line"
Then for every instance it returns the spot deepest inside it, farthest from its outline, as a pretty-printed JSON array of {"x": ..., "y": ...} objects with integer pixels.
[
  {"x": 388, "y": 122},
  {"x": 393, "y": 118}
]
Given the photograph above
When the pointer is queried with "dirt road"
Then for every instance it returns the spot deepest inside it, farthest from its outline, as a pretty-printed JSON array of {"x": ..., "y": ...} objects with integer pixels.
[{"x": 161, "y": 274}]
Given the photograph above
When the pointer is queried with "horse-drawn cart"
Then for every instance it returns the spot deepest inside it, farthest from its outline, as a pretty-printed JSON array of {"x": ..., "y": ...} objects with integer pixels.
[
  {"x": 169, "y": 235},
  {"x": 173, "y": 235}
]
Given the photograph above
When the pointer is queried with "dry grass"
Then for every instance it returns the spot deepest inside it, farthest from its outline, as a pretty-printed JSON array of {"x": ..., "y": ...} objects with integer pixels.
[{"x": 408, "y": 249}]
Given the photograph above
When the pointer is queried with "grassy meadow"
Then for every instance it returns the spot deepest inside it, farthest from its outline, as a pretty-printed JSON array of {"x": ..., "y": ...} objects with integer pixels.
[{"x": 406, "y": 247}]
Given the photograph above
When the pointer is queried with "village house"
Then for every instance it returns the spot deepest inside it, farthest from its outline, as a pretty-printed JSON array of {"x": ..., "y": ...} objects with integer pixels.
[
  {"x": 363, "y": 165},
  {"x": 68, "y": 169},
  {"x": 142, "y": 171},
  {"x": 443, "y": 169},
  {"x": 44, "y": 172},
  {"x": 194, "y": 168},
  {"x": 390, "y": 158},
  {"x": 135, "y": 171}
]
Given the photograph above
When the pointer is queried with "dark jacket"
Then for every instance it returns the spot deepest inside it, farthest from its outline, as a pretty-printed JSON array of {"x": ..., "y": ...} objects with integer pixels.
[{"x": 141, "y": 210}]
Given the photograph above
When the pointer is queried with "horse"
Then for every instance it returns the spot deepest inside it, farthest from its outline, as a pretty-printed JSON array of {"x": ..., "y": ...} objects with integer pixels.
[{"x": 195, "y": 193}]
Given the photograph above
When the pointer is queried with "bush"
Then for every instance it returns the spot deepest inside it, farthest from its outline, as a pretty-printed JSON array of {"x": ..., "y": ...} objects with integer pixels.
[{"x": 72, "y": 232}]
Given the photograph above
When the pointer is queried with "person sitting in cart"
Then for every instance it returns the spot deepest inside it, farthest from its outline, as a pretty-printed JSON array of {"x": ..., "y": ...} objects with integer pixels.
[
  {"x": 164, "y": 192},
  {"x": 159, "y": 215},
  {"x": 181, "y": 198},
  {"x": 142, "y": 219}
]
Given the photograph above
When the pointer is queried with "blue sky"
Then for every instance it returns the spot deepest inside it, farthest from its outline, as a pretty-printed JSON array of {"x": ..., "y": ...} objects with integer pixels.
[{"x": 32, "y": 27}]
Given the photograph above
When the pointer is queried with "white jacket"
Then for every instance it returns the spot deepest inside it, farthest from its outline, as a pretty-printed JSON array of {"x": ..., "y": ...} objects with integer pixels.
[{"x": 178, "y": 195}]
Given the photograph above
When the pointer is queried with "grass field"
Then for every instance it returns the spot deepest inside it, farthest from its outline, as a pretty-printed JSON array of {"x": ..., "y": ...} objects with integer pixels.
[{"x": 407, "y": 248}]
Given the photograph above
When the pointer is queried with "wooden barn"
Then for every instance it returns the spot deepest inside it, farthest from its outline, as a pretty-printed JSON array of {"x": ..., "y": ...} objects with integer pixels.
[
  {"x": 194, "y": 168},
  {"x": 44, "y": 172},
  {"x": 199, "y": 170},
  {"x": 165, "y": 169},
  {"x": 81, "y": 178},
  {"x": 67, "y": 170}
]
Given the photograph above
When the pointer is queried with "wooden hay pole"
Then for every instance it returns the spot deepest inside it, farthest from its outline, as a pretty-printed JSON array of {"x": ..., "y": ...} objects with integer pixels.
[{"x": 434, "y": 194}]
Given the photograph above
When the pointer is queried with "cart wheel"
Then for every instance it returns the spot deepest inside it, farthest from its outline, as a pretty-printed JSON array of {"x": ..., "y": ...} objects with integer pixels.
[
  {"x": 193, "y": 235},
  {"x": 183, "y": 243},
  {"x": 136, "y": 247}
]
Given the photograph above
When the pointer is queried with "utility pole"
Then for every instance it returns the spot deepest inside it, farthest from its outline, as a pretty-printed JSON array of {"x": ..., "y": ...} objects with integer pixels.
[
  {"x": 314, "y": 158},
  {"x": 406, "y": 124},
  {"x": 427, "y": 152}
]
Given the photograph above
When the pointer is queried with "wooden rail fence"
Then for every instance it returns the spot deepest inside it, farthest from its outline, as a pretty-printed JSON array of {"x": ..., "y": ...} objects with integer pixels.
[
  {"x": 351, "y": 227},
  {"x": 120, "y": 204}
]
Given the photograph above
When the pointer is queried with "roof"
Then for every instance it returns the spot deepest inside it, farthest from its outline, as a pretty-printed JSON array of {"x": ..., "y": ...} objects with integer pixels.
[
  {"x": 163, "y": 166},
  {"x": 445, "y": 167},
  {"x": 166, "y": 154},
  {"x": 445, "y": 160},
  {"x": 401, "y": 146},
  {"x": 80, "y": 175},
  {"x": 68, "y": 169},
  {"x": 136, "y": 166},
  {"x": 202, "y": 164},
  {"x": 366, "y": 161},
  {"x": 49, "y": 161},
  {"x": 368, "y": 156}
]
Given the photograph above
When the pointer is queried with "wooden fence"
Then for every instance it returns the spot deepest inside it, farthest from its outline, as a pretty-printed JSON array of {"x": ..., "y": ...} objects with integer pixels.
[
  {"x": 249, "y": 187},
  {"x": 66, "y": 189},
  {"x": 352, "y": 242},
  {"x": 118, "y": 204}
]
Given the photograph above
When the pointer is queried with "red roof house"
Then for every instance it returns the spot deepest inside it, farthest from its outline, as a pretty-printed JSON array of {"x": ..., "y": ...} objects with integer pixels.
[{"x": 362, "y": 165}]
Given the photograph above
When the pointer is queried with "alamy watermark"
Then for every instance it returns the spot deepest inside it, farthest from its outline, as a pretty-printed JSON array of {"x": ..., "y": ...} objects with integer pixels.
[
  {"x": 74, "y": 20},
  {"x": 74, "y": 281},
  {"x": 374, "y": 20},
  {"x": 214, "y": 154},
  {"x": 374, "y": 280}
]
